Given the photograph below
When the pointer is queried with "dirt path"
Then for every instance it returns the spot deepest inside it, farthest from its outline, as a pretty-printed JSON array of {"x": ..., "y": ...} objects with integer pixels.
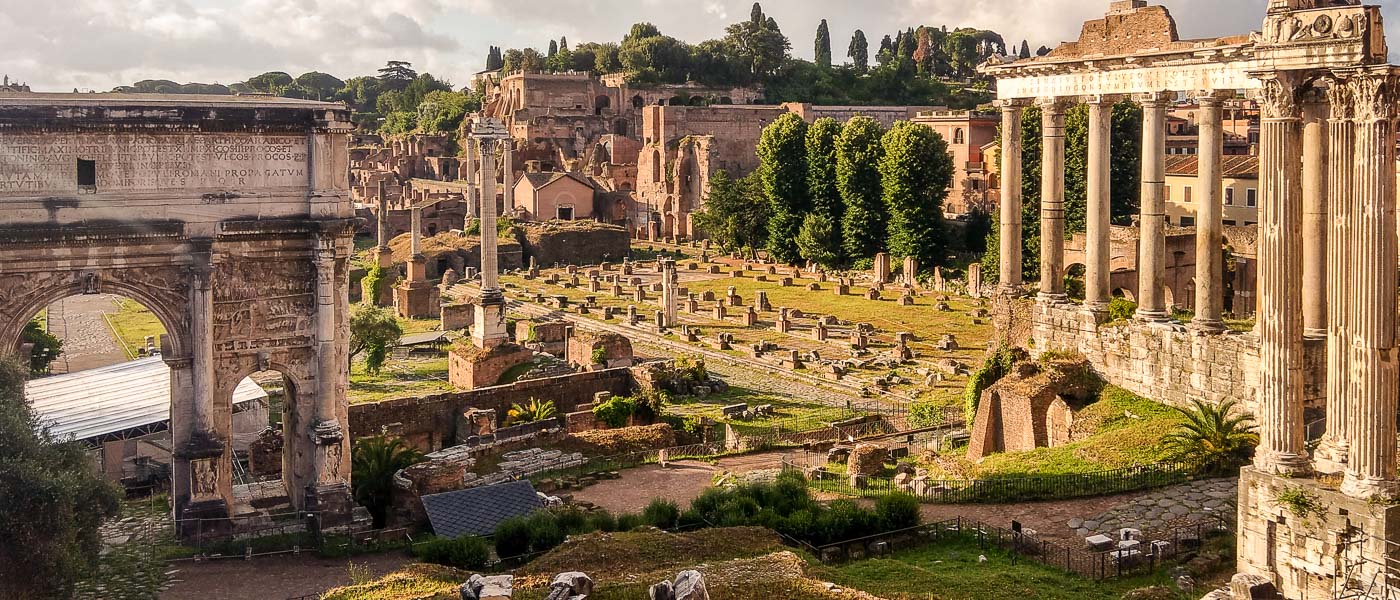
[
  {"x": 273, "y": 577},
  {"x": 1049, "y": 519},
  {"x": 680, "y": 482},
  {"x": 88, "y": 342}
]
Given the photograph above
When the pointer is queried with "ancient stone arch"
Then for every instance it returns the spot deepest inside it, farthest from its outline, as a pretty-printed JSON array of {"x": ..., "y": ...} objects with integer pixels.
[{"x": 238, "y": 240}]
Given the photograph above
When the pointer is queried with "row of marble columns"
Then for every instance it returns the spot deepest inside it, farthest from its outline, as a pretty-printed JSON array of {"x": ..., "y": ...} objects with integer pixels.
[
  {"x": 1152, "y": 262},
  {"x": 1327, "y": 253}
]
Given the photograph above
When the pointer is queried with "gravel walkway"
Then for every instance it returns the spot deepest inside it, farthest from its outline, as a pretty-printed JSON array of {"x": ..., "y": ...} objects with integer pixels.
[{"x": 88, "y": 342}]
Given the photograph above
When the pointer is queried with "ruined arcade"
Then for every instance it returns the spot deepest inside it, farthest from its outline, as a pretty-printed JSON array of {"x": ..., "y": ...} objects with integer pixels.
[{"x": 230, "y": 219}]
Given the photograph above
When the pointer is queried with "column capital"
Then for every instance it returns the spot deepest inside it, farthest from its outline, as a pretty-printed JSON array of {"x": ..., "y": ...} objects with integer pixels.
[
  {"x": 1152, "y": 98},
  {"x": 1214, "y": 98},
  {"x": 1339, "y": 98},
  {"x": 1109, "y": 99},
  {"x": 1373, "y": 96},
  {"x": 1278, "y": 98},
  {"x": 1011, "y": 104},
  {"x": 1054, "y": 104}
]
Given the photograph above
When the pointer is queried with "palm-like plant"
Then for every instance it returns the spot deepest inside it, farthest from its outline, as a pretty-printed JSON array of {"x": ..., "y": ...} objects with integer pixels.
[
  {"x": 373, "y": 463},
  {"x": 1216, "y": 435},
  {"x": 531, "y": 412}
]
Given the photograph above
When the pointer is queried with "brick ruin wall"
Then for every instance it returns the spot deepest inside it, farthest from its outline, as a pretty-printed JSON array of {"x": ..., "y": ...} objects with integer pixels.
[
  {"x": 1170, "y": 364},
  {"x": 430, "y": 422},
  {"x": 572, "y": 244}
]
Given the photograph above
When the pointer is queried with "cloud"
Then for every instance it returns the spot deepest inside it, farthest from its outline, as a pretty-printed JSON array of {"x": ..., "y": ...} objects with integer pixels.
[{"x": 99, "y": 44}]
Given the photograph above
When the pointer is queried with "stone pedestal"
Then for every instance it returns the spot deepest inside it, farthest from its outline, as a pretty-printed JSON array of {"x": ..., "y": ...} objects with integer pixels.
[
  {"x": 882, "y": 268},
  {"x": 470, "y": 367}
]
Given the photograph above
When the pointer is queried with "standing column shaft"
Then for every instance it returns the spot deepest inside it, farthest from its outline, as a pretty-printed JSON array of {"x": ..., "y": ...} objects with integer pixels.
[
  {"x": 1052, "y": 200},
  {"x": 1280, "y": 328},
  {"x": 470, "y": 176},
  {"x": 1210, "y": 304},
  {"x": 1152, "y": 239},
  {"x": 1371, "y": 464},
  {"x": 1315, "y": 219},
  {"x": 489, "y": 276},
  {"x": 327, "y": 365},
  {"x": 416, "y": 223},
  {"x": 1332, "y": 452},
  {"x": 508, "y": 173},
  {"x": 1010, "y": 197},
  {"x": 383, "y": 221},
  {"x": 1096, "y": 248},
  {"x": 202, "y": 345}
]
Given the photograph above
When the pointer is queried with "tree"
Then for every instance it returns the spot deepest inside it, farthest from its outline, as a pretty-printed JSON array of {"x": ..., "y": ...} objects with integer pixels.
[
  {"x": 563, "y": 43},
  {"x": 494, "y": 62},
  {"x": 553, "y": 49},
  {"x": 443, "y": 111},
  {"x": 819, "y": 240},
  {"x": 373, "y": 463},
  {"x": 372, "y": 331},
  {"x": 271, "y": 82},
  {"x": 641, "y": 31},
  {"x": 324, "y": 86},
  {"x": 397, "y": 74},
  {"x": 915, "y": 173},
  {"x": 823, "y": 50},
  {"x": 822, "y": 181},
  {"x": 1042, "y": 51},
  {"x": 735, "y": 213},
  {"x": 1025, "y": 49},
  {"x": 858, "y": 155},
  {"x": 52, "y": 502},
  {"x": 924, "y": 52},
  {"x": 782, "y": 152},
  {"x": 1217, "y": 435},
  {"x": 859, "y": 52},
  {"x": 760, "y": 42},
  {"x": 532, "y": 412},
  {"x": 46, "y": 347}
]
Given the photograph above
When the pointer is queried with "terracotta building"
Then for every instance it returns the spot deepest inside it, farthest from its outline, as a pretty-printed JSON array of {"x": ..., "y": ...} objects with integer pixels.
[
  {"x": 550, "y": 196},
  {"x": 1240, "y": 176},
  {"x": 967, "y": 133}
]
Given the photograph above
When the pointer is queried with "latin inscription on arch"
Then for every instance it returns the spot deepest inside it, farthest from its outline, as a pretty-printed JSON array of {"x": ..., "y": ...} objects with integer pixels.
[
  {"x": 1185, "y": 78},
  {"x": 48, "y": 163}
]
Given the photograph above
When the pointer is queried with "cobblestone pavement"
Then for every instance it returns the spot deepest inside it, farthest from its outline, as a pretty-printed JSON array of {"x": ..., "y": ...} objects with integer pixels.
[
  {"x": 129, "y": 567},
  {"x": 1185, "y": 503},
  {"x": 88, "y": 342}
]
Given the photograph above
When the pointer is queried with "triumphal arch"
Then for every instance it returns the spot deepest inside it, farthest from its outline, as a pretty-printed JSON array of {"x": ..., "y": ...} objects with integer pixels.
[
  {"x": 1320, "y": 524},
  {"x": 230, "y": 219}
]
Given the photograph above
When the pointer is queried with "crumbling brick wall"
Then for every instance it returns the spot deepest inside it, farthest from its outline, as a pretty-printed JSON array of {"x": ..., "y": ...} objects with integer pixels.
[{"x": 573, "y": 243}]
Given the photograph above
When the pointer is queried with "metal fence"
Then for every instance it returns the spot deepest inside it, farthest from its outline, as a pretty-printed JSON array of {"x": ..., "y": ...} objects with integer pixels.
[
  {"x": 1144, "y": 556},
  {"x": 1009, "y": 489}
]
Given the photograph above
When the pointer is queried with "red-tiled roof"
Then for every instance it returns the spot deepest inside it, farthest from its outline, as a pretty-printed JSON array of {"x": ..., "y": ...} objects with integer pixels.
[{"x": 1238, "y": 167}]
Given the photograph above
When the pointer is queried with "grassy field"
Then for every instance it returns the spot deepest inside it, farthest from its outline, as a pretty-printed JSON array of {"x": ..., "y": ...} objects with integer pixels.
[
  {"x": 952, "y": 571},
  {"x": 785, "y": 407},
  {"x": 132, "y": 323},
  {"x": 1121, "y": 430},
  {"x": 397, "y": 379}
]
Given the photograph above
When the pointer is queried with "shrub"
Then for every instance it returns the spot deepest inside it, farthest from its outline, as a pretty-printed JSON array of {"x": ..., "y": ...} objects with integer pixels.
[
  {"x": 691, "y": 519},
  {"x": 690, "y": 425},
  {"x": 616, "y": 411},
  {"x": 692, "y": 368},
  {"x": 992, "y": 370},
  {"x": 662, "y": 514},
  {"x": 545, "y": 532},
  {"x": 469, "y": 553},
  {"x": 531, "y": 412},
  {"x": 925, "y": 414},
  {"x": 1121, "y": 309},
  {"x": 629, "y": 521},
  {"x": 512, "y": 537},
  {"x": 602, "y": 520},
  {"x": 843, "y": 520},
  {"x": 572, "y": 521},
  {"x": 897, "y": 511}
]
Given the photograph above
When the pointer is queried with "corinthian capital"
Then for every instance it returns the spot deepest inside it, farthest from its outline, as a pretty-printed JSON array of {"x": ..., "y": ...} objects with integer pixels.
[
  {"x": 1373, "y": 97},
  {"x": 1278, "y": 98},
  {"x": 1339, "y": 98}
]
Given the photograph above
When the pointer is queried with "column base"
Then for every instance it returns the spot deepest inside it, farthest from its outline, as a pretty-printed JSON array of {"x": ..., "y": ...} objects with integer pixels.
[
  {"x": 1283, "y": 464},
  {"x": 1153, "y": 316},
  {"x": 203, "y": 520},
  {"x": 1098, "y": 309},
  {"x": 332, "y": 503},
  {"x": 1364, "y": 488},
  {"x": 1052, "y": 298},
  {"x": 1208, "y": 326}
]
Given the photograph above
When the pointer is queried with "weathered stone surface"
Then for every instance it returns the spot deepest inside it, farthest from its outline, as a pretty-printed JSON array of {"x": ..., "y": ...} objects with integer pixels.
[{"x": 690, "y": 585}]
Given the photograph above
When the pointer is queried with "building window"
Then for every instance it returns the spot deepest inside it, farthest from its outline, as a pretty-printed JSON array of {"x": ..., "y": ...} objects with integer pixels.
[
  {"x": 1230, "y": 197},
  {"x": 1186, "y": 194},
  {"x": 1251, "y": 197},
  {"x": 1188, "y": 221},
  {"x": 1230, "y": 222},
  {"x": 565, "y": 213},
  {"x": 958, "y": 136},
  {"x": 87, "y": 175}
]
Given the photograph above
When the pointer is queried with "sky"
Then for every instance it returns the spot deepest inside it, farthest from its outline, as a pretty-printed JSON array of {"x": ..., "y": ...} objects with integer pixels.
[{"x": 59, "y": 45}]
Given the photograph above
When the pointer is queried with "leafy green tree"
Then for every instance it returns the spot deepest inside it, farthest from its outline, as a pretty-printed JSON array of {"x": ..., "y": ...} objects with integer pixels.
[
  {"x": 782, "y": 151},
  {"x": 735, "y": 213},
  {"x": 373, "y": 463},
  {"x": 819, "y": 240},
  {"x": 324, "y": 86},
  {"x": 553, "y": 49},
  {"x": 915, "y": 173},
  {"x": 886, "y": 52},
  {"x": 859, "y": 52},
  {"x": 512, "y": 60},
  {"x": 397, "y": 74},
  {"x": 823, "y": 49},
  {"x": 760, "y": 42},
  {"x": 443, "y": 111},
  {"x": 641, "y": 31},
  {"x": 52, "y": 502},
  {"x": 47, "y": 347},
  {"x": 658, "y": 59},
  {"x": 271, "y": 82},
  {"x": 1215, "y": 434},
  {"x": 373, "y": 330},
  {"x": 858, "y": 154},
  {"x": 822, "y": 183}
]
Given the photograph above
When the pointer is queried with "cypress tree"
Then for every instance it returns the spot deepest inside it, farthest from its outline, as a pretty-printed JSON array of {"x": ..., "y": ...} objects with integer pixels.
[
  {"x": 822, "y": 185},
  {"x": 859, "y": 52},
  {"x": 823, "y": 50}
]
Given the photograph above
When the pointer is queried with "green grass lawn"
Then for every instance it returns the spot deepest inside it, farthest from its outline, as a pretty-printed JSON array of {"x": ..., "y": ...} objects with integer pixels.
[
  {"x": 1122, "y": 430},
  {"x": 131, "y": 323},
  {"x": 785, "y": 408},
  {"x": 951, "y": 571},
  {"x": 397, "y": 379}
]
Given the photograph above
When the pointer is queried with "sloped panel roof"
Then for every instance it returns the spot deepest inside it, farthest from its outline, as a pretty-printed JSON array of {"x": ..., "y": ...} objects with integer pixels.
[{"x": 477, "y": 511}]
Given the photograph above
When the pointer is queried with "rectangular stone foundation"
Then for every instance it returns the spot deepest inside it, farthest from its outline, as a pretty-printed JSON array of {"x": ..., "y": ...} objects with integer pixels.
[
  {"x": 1340, "y": 545},
  {"x": 469, "y": 367},
  {"x": 1170, "y": 363}
]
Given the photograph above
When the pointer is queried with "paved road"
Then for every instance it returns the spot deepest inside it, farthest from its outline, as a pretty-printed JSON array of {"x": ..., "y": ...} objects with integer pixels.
[{"x": 88, "y": 342}]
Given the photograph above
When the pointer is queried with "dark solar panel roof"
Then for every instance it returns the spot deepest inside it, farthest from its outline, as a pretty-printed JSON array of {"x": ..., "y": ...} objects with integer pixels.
[{"x": 477, "y": 511}]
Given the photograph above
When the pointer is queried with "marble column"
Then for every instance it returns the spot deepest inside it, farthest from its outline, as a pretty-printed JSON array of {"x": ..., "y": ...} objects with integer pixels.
[
  {"x": 1010, "y": 235},
  {"x": 327, "y": 365},
  {"x": 1152, "y": 238},
  {"x": 1280, "y": 328},
  {"x": 470, "y": 177},
  {"x": 489, "y": 330},
  {"x": 1315, "y": 216},
  {"x": 202, "y": 343},
  {"x": 1210, "y": 303},
  {"x": 1331, "y": 454},
  {"x": 1371, "y": 465},
  {"x": 508, "y": 174},
  {"x": 383, "y": 217},
  {"x": 670, "y": 298},
  {"x": 1052, "y": 200},
  {"x": 1096, "y": 247}
]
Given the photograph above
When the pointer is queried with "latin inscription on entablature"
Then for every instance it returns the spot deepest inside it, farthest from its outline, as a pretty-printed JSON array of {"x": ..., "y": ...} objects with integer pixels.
[
  {"x": 124, "y": 162},
  {"x": 1185, "y": 78}
]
